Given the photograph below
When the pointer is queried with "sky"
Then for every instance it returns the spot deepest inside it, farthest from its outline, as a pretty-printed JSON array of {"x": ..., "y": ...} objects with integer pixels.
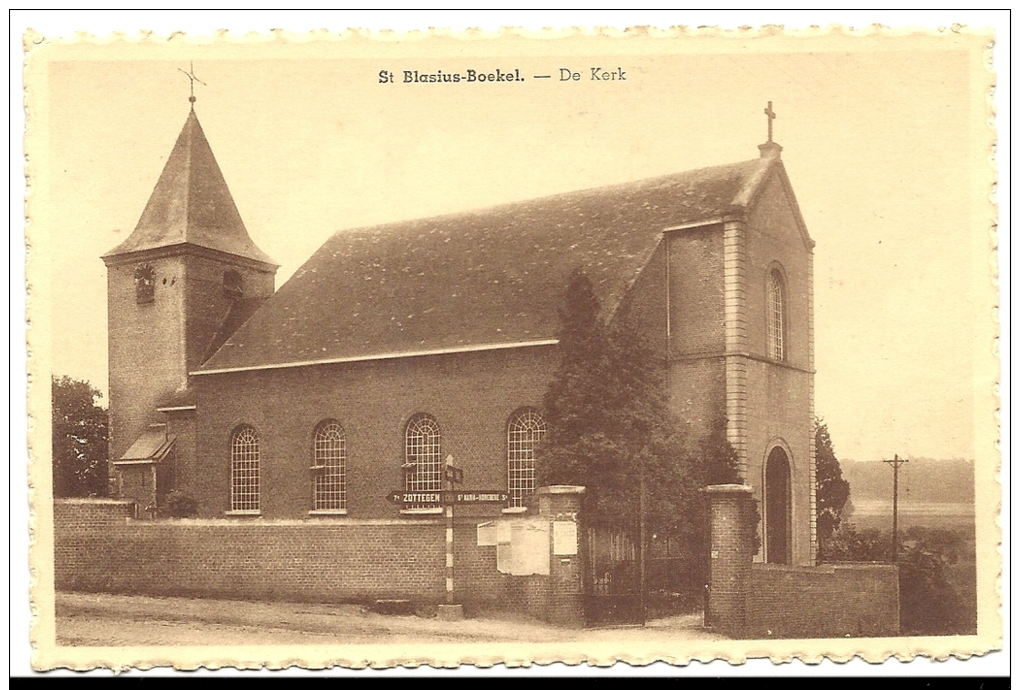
[{"x": 885, "y": 144}]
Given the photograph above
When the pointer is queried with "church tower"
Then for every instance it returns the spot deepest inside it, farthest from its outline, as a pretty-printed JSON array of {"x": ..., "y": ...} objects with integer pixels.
[{"x": 177, "y": 287}]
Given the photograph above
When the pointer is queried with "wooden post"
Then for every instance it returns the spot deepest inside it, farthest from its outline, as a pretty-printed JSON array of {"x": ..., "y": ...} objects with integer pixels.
[
  {"x": 449, "y": 536},
  {"x": 449, "y": 611}
]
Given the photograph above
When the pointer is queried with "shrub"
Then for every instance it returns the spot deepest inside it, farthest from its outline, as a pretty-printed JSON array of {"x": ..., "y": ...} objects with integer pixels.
[{"x": 179, "y": 504}]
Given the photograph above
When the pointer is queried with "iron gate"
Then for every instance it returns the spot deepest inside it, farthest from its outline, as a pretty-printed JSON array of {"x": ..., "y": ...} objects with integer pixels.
[{"x": 613, "y": 580}]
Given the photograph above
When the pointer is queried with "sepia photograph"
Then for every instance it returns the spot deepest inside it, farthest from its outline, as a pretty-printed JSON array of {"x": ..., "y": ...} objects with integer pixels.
[{"x": 459, "y": 349}]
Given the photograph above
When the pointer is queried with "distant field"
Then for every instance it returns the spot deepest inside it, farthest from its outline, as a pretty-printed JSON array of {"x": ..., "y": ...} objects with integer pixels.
[{"x": 878, "y": 515}]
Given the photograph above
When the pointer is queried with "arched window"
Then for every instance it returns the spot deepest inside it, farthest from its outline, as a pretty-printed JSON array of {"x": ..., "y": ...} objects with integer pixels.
[
  {"x": 232, "y": 285},
  {"x": 145, "y": 284},
  {"x": 330, "y": 467},
  {"x": 244, "y": 470},
  {"x": 776, "y": 314},
  {"x": 523, "y": 434},
  {"x": 423, "y": 467}
]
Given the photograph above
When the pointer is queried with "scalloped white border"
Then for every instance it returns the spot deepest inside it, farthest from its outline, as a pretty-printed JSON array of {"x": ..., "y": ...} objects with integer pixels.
[{"x": 781, "y": 651}]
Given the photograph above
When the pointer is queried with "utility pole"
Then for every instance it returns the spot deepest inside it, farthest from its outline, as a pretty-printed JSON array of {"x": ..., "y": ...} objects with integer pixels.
[{"x": 895, "y": 462}]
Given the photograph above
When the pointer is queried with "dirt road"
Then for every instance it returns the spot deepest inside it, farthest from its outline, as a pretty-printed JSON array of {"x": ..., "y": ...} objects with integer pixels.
[{"x": 116, "y": 620}]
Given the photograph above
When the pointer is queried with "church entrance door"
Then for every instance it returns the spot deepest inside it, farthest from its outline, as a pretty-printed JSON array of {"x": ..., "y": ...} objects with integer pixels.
[{"x": 777, "y": 507}]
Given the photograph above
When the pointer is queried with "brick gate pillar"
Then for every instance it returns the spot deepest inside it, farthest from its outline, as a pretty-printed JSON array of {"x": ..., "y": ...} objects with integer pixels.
[
  {"x": 561, "y": 505},
  {"x": 732, "y": 549}
]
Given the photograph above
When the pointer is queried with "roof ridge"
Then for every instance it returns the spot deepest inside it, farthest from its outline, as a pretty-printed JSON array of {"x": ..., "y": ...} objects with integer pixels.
[
  {"x": 493, "y": 275},
  {"x": 579, "y": 193}
]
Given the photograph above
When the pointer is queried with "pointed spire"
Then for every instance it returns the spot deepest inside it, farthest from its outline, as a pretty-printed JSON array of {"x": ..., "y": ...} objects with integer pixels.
[{"x": 191, "y": 204}]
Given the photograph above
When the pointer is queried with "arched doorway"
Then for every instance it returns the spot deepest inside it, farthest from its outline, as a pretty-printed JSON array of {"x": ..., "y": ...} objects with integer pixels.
[{"x": 777, "y": 507}]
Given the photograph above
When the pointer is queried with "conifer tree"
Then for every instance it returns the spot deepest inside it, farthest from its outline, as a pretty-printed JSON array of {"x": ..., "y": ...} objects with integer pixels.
[
  {"x": 831, "y": 490},
  {"x": 609, "y": 421},
  {"x": 577, "y": 447}
]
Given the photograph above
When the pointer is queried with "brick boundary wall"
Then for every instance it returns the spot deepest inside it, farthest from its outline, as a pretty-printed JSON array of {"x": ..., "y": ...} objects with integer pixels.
[
  {"x": 838, "y": 600},
  {"x": 764, "y": 600},
  {"x": 98, "y": 548}
]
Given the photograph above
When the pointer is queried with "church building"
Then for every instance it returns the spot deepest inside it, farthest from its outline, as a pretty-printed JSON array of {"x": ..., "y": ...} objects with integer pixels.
[{"x": 394, "y": 347}]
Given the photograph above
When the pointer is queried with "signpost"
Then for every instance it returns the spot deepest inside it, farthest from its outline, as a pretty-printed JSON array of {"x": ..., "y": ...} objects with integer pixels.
[
  {"x": 450, "y": 497},
  {"x": 447, "y": 498},
  {"x": 453, "y": 475}
]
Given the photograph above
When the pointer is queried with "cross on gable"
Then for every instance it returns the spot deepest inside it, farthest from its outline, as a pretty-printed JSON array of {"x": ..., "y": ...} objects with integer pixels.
[{"x": 771, "y": 116}]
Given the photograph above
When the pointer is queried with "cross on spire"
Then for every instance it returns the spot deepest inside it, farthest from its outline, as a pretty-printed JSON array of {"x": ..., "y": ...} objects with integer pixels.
[
  {"x": 771, "y": 116},
  {"x": 192, "y": 78}
]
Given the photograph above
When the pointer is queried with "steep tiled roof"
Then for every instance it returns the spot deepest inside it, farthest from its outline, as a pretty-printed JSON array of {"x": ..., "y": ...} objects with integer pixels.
[
  {"x": 191, "y": 204},
  {"x": 477, "y": 279},
  {"x": 240, "y": 311}
]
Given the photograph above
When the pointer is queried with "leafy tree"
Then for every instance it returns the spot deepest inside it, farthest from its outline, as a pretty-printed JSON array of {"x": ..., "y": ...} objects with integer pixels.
[
  {"x": 929, "y": 603},
  {"x": 831, "y": 490},
  {"x": 80, "y": 435}
]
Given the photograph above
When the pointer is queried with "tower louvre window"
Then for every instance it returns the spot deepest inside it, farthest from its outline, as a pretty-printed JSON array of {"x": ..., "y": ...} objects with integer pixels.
[
  {"x": 776, "y": 314},
  {"x": 145, "y": 284},
  {"x": 232, "y": 285},
  {"x": 330, "y": 467},
  {"x": 524, "y": 433}
]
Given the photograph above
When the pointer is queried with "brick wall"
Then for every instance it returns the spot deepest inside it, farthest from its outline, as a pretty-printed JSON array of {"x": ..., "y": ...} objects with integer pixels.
[
  {"x": 777, "y": 398},
  {"x": 530, "y": 593},
  {"x": 154, "y": 345},
  {"x": 89, "y": 514},
  {"x": 697, "y": 315},
  {"x": 760, "y": 601},
  {"x": 847, "y": 599},
  {"x": 773, "y": 240},
  {"x": 137, "y": 485},
  {"x": 471, "y": 396},
  {"x": 147, "y": 347},
  {"x": 564, "y": 601},
  {"x": 697, "y": 394},
  {"x": 97, "y": 548},
  {"x": 730, "y": 557},
  {"x": 697, "y": 375},
  {"x": 779, "y": 413}
]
